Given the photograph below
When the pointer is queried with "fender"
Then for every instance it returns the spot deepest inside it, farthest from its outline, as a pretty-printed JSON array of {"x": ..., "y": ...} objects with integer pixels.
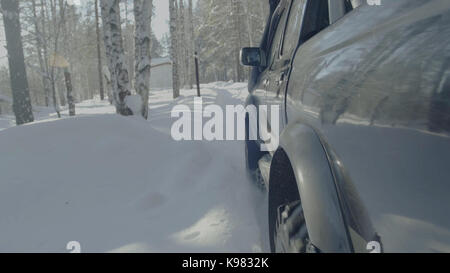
[{"x": 317, "y": 188}]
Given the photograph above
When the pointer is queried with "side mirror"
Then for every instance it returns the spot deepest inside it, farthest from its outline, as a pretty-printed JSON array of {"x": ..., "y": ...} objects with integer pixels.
[{"x": 253, "y": 56}]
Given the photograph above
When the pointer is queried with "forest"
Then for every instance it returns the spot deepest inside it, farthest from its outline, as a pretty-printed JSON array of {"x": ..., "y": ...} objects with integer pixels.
[{"x": 77, "y": 50}]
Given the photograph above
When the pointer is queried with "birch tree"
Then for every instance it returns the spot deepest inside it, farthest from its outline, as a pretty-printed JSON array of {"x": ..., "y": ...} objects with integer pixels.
[
  {"x": 109, "y": 73},
  {"x": 174, "y": 48},
  {"x": 19, "y": 84},
  {"x": 115, "y": 54},
  {"x": 143, "y": 17}
]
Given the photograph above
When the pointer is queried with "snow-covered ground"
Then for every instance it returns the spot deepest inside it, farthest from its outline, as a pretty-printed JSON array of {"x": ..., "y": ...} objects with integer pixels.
[{"x": 122, "y": 184}]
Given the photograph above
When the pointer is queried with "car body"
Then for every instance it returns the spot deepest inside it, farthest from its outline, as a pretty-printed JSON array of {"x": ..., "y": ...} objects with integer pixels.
[{"x": 364, "y": 98}]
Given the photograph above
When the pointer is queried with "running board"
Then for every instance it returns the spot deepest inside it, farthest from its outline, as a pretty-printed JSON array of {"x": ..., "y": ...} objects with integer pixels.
[{"x": 264, "y": 167}]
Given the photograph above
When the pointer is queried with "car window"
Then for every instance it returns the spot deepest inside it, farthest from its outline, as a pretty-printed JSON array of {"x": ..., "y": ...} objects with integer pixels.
[
  {"x": 293, "y": 28},
  {"x": 316, "y": 19},
  {"x": 278, "y": 32}
]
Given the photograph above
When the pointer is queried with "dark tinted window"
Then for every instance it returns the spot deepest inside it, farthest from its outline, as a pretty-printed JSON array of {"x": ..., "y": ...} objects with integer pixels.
[
  {"x": 316, "y": 19},
  {"x": 277, "y": 29},
  {"x": 293, "y": 27}
]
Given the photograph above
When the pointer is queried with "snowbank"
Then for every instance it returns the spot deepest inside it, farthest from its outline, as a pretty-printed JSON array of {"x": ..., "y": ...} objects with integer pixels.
[{"x": 122, "y": 184}]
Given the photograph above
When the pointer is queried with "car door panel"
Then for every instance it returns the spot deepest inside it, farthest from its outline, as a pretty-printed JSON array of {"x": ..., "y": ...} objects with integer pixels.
[{"x": 280, "y": 69}]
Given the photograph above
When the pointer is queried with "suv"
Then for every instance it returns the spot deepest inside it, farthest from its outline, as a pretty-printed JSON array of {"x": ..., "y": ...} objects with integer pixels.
[{"x": 363, "y": 90}]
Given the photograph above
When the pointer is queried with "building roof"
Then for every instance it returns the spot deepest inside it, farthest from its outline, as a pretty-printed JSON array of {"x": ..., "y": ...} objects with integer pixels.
[{"x": 161, "y": 61}]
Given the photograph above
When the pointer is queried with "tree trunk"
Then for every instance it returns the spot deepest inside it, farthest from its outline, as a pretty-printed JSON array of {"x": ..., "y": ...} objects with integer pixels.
[
  {"x": 39, "y": 39},
  {"x": 143, "y": 19},
  {"x": 60, "y": 88},
  {"x": 183, "y": 55},
  {"x": 247, "y": 6},
  {"x": 70, "y": 98},
  {"x": 238, "y": 41},
  {"x": 174, "y": 48},
  {"x": 111, "y": 76},
  {"x": 129, "y": 46},
  {"x": 53, "y": 77},
  {"x": 191, "y": 45},
  {"x": 114, "y": 46},
  {"x": 19, "y": 84},
  {"x": 45, "y": 48},
  {"x": 99, "y": 53}
]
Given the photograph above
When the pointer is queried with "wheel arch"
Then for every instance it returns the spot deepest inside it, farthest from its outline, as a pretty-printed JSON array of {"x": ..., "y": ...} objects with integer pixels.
[{"x": 316, "y": 187}]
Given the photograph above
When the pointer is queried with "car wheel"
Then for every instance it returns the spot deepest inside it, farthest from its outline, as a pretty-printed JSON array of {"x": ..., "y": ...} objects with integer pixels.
[{"x": 288, "y": 232}]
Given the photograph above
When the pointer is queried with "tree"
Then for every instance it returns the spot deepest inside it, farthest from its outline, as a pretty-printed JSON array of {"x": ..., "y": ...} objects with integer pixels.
[
  {"x": 42, "y": 36},
  {"x": 235, "y": 8},
  {"x": 143, "y": 17},
  {"x": 174, "y": 48},
  {"x": 40, "y": 40},
  {"x": 241, "y": 23},
  {"x": 115, "y": 54},
  {"x": 128, "y": 35},
  {"x": 67, "y": 76},
  {"x": 182, "y": 54},
  {"x": 99, "y": 53},
  {"x": 19, "y": 84},
  {"x": 191, "y": 44}
]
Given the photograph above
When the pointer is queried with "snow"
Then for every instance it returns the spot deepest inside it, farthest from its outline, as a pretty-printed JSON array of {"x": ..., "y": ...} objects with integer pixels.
[
  {"x": 134, "y": 102},
  {"x": 122, "y": 184}
]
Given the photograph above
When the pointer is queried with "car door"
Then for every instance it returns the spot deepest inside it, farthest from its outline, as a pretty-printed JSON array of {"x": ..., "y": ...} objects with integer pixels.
[
  {"x": 267, "y": 80},
  {"x": 278, "y": 72},
  {"x": 272, "y": 43}
]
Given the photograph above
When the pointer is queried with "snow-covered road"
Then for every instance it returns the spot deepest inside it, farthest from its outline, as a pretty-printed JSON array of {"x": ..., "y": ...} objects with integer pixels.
[{"x": 116, "y": 183}]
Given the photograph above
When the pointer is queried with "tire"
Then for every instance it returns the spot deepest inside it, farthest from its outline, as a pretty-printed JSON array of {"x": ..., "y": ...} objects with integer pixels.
[{"x": 288, "y": 231}]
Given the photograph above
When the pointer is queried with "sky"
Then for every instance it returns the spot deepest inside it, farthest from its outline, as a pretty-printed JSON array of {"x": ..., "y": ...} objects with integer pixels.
[{"x": 160, "y": 20}]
